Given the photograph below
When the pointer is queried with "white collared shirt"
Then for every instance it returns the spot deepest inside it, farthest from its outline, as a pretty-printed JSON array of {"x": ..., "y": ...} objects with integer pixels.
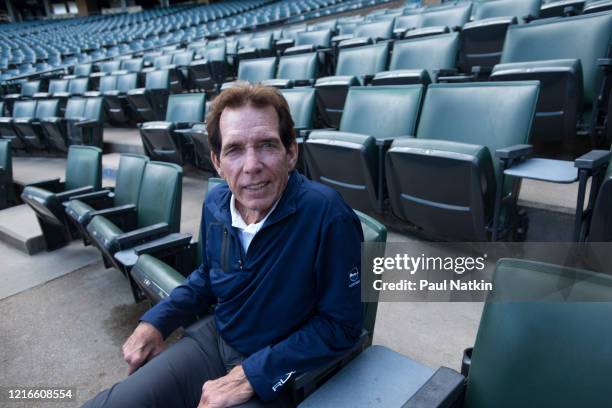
[{"x": 246, "y": 232}]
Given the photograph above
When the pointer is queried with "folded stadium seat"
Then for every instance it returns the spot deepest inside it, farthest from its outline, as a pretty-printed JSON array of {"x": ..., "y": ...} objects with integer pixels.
[
  {"x": 356, "y": 66},
  {"x": 7, "y": 190},
  {"x": 159, "y": 63},
  {"x": 82, "y": 124},
  {"x": 498, "y": 372},
  {"x": 131, "y": 65},
  {"x": 21, "y": 109},
  {"x": 482, "y": 40},
  {"x": 367, "y": 33},
  {"x": 597, "y": 6},
  {"x": 301, "y": 103},
  {"x": 178, "y": 70},
  {"x": 115, "y": 101},
  {"x": 563, "y": 55},
  {"x": 76, "y": 87},
  {"x": 149, "y": 103},
  {"x": 373, "y": 117},
  {"x": 158, "y": 213},
  {"x": 331, "y": 24},
  {"x": 29, "y": 129},
  {"x": 263, "y": 44},
  {"x": 456, "y": 199},
  {"x": 288, "y": 38},
  {"x": 420, "y": 60},
  {"x": 432, "y": 21},
  {"x": 295, "y": 70},
  {"x": 83, "y": 175},
  {"x": 257, "y": 70},
  {"x": 209, "y": 72},
  {"x": 55, "y": 85},
  {"x": 127, "y": 186},
  {"x": 81, "y": 70},
  {"x": 104, "y": 68},
  {"x": 27, "y": 91},
  {"x": 562, "y": 8},
  {"x": 161, "y": 140}
]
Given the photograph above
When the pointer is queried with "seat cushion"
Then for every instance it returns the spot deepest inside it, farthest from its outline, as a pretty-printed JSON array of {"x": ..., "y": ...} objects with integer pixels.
[
  {"x": 104, "y": 232},
  {"x": 79, "y": 211}
]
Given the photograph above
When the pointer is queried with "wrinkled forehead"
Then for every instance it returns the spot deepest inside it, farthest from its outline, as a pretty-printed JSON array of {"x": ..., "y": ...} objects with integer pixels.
[{"x": 248, "y": 121}]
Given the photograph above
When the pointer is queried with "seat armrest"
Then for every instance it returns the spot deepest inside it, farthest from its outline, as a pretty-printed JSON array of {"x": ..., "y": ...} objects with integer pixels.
[
  {"x": 457, "y": 78},
  {"x": 513, "y": 152},
  {"x": 481, "y": 72},
  {"x": 88, "y": 123},
  {"x": 175, "y": 241},
  {"x": 313, "y": 376},
  {"x": 303, "y": 133},
  {"x": 443, "y": 389},
  {"x": 443, "y": 72},
  {"x": 387, "y": 141},
  {"x": 604, "y": 62},
  {"x": 593, "y": 160},
  {"x": 53, "y": 185},
  {"x": 115, "y": 211},
  {"x": 142, "y": 235},
  {"x": 23, "y": 120},
  {"x": 67, "y": 195},
  {"x": 107, "y": 193}
]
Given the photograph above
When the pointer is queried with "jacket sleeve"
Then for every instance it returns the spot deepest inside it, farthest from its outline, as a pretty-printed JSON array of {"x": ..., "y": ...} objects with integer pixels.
[
  {"x": 337, "y": 323},
  {"x": 186, "y": 301}
]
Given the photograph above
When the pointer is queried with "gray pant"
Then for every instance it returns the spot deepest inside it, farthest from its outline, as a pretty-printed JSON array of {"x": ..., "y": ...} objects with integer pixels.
[{"x": 175, "y": 377}]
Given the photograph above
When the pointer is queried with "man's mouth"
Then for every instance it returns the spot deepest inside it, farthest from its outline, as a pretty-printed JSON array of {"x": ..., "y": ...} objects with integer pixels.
[{"x": 256, "y": 187}]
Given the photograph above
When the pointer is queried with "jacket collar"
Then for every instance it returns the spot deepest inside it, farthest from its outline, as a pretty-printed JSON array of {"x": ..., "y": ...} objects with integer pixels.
[{"x": 286, "y": 206}]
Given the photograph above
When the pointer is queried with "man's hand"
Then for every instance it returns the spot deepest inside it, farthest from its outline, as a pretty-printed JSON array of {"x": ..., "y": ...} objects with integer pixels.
[
  {"x": 227, "y": 391},
  {"x": 145, "y": 343}
]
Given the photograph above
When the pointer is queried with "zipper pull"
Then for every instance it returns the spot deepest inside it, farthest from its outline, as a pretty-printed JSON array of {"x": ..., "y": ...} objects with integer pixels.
[{"x": 240, "y": 263}]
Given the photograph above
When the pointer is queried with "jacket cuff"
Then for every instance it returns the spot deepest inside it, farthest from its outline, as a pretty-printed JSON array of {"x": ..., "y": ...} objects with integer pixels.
[
  {"x": 151, "y": 318},
  {"x": 266, "y": 388}
]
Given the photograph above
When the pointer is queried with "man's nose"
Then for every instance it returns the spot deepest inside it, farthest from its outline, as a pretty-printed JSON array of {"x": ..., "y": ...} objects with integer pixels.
[{"x": 252, "y": 161}]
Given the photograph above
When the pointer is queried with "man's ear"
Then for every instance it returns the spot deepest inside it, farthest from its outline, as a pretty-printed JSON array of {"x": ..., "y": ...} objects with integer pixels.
[
  {"x": 292, "y": 155},
  {"x": 216, "y": 162}
]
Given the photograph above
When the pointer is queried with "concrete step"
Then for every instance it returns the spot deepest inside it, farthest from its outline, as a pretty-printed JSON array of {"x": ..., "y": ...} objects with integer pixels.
[{"x": 19, "y": 228}]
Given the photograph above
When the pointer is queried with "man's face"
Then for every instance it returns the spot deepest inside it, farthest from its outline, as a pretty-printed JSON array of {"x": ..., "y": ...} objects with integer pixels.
[{"x": 253, "y": 160}]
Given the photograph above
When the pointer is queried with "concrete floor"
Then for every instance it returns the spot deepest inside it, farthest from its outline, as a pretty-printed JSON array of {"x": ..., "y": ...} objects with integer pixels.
[{"x": 64, "y": 317}]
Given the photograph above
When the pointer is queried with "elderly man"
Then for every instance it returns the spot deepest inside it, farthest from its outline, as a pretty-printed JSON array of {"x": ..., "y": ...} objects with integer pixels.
[{"x": 280, "y": 254}]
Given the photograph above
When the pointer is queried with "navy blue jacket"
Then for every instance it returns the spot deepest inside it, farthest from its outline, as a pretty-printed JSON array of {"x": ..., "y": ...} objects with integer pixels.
[{"x": 294, "y": 302}]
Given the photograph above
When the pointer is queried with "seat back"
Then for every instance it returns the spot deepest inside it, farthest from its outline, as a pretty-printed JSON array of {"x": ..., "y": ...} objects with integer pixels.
[
  {"x": 257, "y": 69},
  {"x": 298, "y": 66},
  {"x": 93, "y": 108},
  {"x": 182, "y": 58},
  {"x": 545, "y": 353},
  {"x": 58, "y": 85},
  {"x": 129, "y": 177},
  {"x": 319, "y": 38},
  {"x": 601, "y": 220},
  {"x": 84, "y": 167},
  {"x": 301, "y": 103},
  {"x": 30, "y": 88},
  {"x": 126, "y": 82},
  {"x": 160, "y": 195},
  {"x": 82, "y": 70},
  {"x": 366, "y": 60},
  {"x": 108, "y": 83},
  {"x": 430, "y": 53},
  {"x": 455, "y": 16},
  {"x": 159, "y": 79},
  {"x": 132, "y": 65},
  {"x": 407, "y": 21},
  {"x": 214, "y": 54},
  {"x": 262, "y": 42},
  {"x": 47, "y": 108},
  {"x": 375, "y": 30},
  {"x": 78, "y": 85},
  {"x": 186, "y": 108},
  {"x": 162, "y": 61},
  {"x": 586, "y": 38},
  {"x": 506, "y": 8},
  {"x": 110, "y": 66},
  {"x": 6, "y": 160},
  {"x": 382, "y": 111},
  {"x": 75, "y": 108},
  {"x": 24, "y": 109}
]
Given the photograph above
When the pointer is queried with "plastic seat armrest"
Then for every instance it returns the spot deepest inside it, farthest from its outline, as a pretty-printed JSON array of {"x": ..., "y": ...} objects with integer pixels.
[
  {"x": 67, "y": 195},
  {"x": 88, "y": 123},
  {"x": 174, "y": 242},
  {"x": 444, "y": 388},
  {"x": 593, "y": 160},
  {"x": 514, "y": 153},
  {"x": 122, "y": 210},
  {"x": 54, "y": 185},
  {"x": 142, "y": 235}
]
